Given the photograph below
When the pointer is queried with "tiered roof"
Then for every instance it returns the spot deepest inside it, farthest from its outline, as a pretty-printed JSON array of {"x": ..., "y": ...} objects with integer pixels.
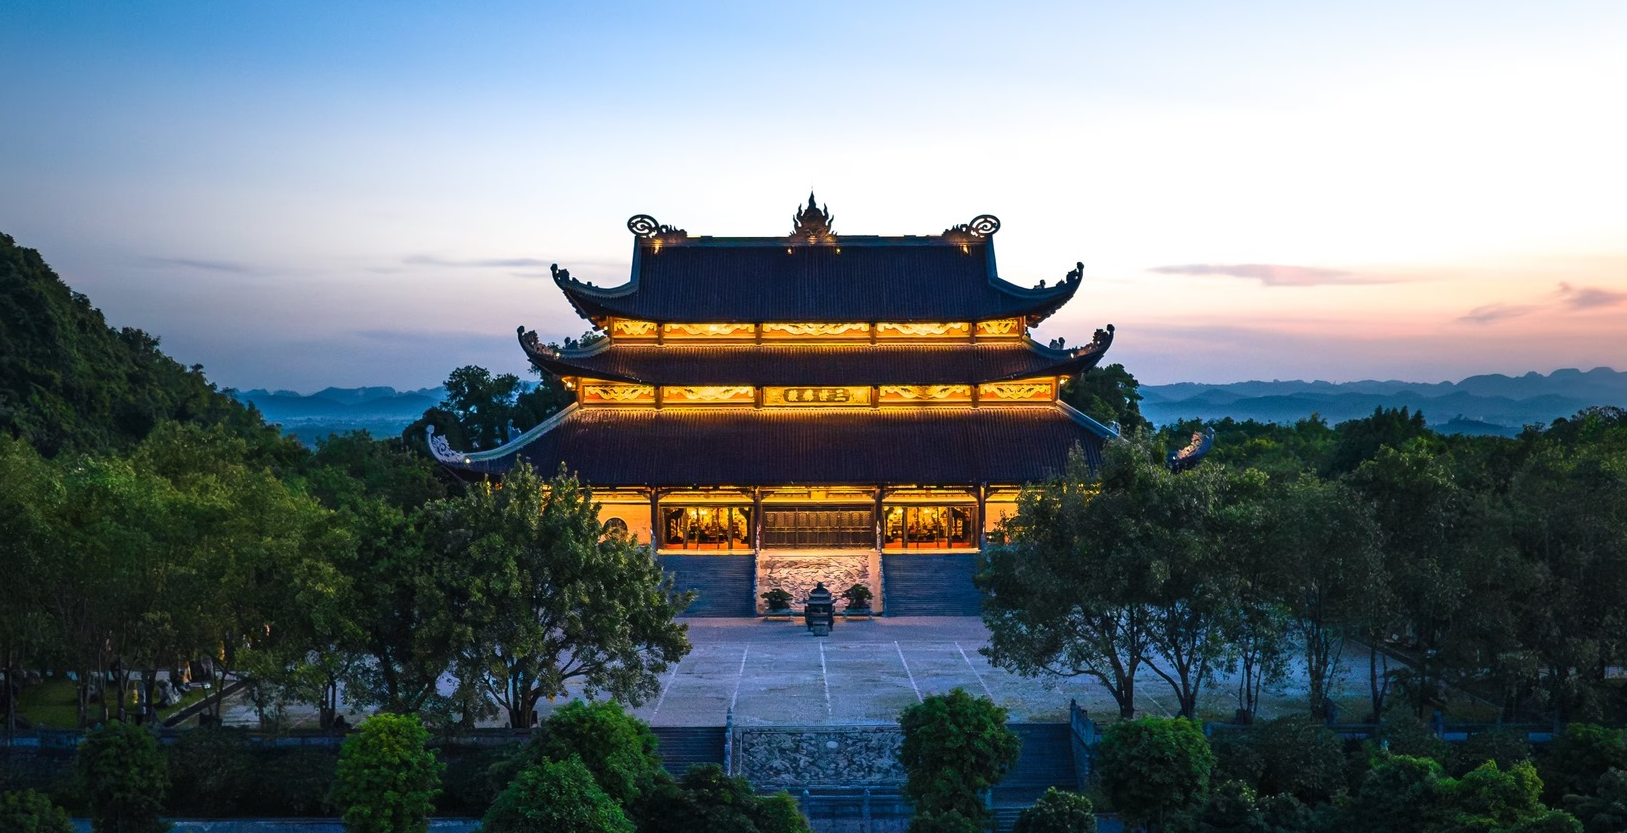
[{"x": 901, "y": 311}]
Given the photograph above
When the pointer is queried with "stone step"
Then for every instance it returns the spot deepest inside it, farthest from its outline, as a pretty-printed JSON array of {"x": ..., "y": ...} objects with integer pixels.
[
  {"x": 929, "y": 585},
  {"x": 724, "y": 584},
  {"x": 682, "y": 747}
]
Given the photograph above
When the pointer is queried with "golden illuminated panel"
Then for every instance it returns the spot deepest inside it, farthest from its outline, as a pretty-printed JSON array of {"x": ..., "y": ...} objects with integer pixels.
[
  {"x": 612, "y": 393},
  {"x": 781, "y": 332},
  {"x": 925, "y": 394},
  {"x": 628, "y": 328},
  {"x": 816, "y": 396},
  {"x": 707, "y": 331},
  {"x": 1024, "y": 390},
  {"x": 952, "y": 329},
  {"x": 1000, "y": 328},
  {"x": 671, "y": 395}
]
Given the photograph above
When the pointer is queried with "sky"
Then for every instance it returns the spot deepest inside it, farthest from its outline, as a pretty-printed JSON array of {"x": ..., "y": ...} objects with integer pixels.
[{"x": 304, "y": 194}]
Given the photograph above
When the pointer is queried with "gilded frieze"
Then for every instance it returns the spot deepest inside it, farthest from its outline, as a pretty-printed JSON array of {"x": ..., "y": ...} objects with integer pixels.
[
  {"x": 924, "y": 394},
  {"x": 1000, "y": 328},
  {"x": 628, "y": 328},
  {"x": 711, "y": 395},
  {"x": 951, "y": 329},
  {"x": 612, "y": 394},
  {"x": 1028, "y": 390},
  {"x": 703, "y": 331},
  {"x": 816, "y": 330}
]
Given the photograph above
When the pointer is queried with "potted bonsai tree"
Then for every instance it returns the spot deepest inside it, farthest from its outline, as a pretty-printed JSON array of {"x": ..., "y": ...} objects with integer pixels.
[
  {"x": 858, "y": 602},
  {"x": 778, "y": 603}
]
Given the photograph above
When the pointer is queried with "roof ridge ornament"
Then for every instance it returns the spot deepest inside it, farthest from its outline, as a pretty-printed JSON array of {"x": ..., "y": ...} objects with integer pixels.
[
  {"x": 812, "y": 224},
  {"x": 983, "y": 225},
  {"x": 646, "y": 227}
]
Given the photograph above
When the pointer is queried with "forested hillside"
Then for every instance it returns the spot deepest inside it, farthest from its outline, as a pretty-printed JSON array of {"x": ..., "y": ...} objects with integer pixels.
[{"x": 70, "y": 382}]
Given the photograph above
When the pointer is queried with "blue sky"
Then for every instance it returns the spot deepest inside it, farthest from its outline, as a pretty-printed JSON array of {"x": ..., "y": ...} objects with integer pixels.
[{"x": 305, "y": 194}]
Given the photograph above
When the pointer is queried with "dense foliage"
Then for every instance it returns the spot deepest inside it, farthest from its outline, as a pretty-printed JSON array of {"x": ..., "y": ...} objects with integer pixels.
[
  {"x": 387, "y": 778},
  {"x": 29, "y": 811},
  {"x": 1057, "y": 812},
  {"x": 1154, "y": 768},
  {"x": 1479, "y": 564},
  {"x": 124, "y": 779},
  {"x": 956, "y": 747},
  {"x": 555, "y": 795}
]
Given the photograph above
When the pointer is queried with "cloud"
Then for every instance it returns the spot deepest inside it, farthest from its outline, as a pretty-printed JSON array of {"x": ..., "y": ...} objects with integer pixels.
[
  {"x": 1589, "y": 297},
  {"x": 205, "y": 265},
  {"x": 1497, "y": 312},
  {"x": 1272, "y": 274},
  {"x": 478, "y": 263}
]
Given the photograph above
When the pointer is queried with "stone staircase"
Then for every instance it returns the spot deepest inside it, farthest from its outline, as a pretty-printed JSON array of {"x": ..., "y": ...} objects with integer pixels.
[
  {"x": 682, "y": 747},
  {"x": 725, "y": 584},
  {"x": 1046, "y": 761},
  {"x": 929, "y": 585}
]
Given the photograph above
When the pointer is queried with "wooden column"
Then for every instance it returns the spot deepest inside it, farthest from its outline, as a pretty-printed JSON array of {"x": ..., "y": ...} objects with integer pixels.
[
  {"x": 655, "y": 521},
  {"x": 981, "y": 520},
  {"x": 881, "y": 522}
]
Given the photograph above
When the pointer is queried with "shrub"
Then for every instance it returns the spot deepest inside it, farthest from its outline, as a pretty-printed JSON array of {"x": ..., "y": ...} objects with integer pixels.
[
  {"x": 27, "y": 811},
  {"x": 1605, "y": 811},
  {"x": 857, "y": 597},
  {"x": 210, "y": 770},
  {"x": 387, "y": 779},
  {"x": 1408, "y": 736},
  {"x": 1293, "y": 755},
  {"x": 777, "y": 599},
  {"x": 955, "y": 747},
  {"x": 1578, "y": 757},
  {"x": 292, "y": 782},
  {"x": 707, "y": 799},
  {"x": 1154, "y": 767},
  {"x": 555, "y": 796},
  {"x": 617, "y": 748},
  {"x": 1057, "y": 812},
  {"x": 1504, "y": 747},
  {"x": 124, "y": 779}
]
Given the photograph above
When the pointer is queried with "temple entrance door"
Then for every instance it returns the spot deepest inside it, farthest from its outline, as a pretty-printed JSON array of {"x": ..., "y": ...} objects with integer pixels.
[{"x": 819, "y": 528}]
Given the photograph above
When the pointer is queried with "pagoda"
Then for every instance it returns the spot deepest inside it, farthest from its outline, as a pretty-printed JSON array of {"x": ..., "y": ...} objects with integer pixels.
[{"x": 779, "y": 411}]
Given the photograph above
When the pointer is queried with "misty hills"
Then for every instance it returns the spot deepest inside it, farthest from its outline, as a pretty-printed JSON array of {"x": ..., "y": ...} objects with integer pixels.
[{"x": 1488, "y": 404}]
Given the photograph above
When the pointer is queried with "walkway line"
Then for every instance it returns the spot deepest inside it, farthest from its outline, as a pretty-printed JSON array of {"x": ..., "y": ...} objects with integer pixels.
[
  {"x": 671, "y": 678},
  {"x": 918, "y": 697},
  {"x": 975, "y": 673},
  {"x": 738, "y": 676},
  {"x": 824, "y": 676}
]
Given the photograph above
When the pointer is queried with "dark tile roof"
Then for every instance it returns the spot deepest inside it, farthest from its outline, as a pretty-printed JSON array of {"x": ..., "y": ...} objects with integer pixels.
[
  {"x": 862, "y": 279},
  {"x": 749, "y": 447},
  {"x": 804, "y": 364}
]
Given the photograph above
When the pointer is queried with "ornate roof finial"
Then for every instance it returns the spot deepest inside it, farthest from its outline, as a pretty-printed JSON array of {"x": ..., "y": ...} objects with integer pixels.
[{"x": 813, "y": 223}]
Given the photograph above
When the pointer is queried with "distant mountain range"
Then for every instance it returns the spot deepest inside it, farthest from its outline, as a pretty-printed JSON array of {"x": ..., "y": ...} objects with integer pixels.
[{"x": 1492, "y": 404}]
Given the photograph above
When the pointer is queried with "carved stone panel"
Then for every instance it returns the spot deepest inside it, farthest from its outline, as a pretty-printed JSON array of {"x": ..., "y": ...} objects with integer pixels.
[
  {"x": 797, "y": 574},
  {"x": 856, "y": 756}
]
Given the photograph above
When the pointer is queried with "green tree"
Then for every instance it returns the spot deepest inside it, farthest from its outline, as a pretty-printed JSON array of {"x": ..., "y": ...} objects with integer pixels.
[
  {"x": 1057, "y": 812},
  {"x": 1360, "y": 440},
  {"x": 1108, "y": 395},
  {"x": 124, "y": 779},
  {"x": 705, "y": 800},
  {"x": 555, "y": 796},
  {"x": 30, "y": 505},
  {"x": 1231, "y": 807},
  {"x": 1579, "y": 756},
  {"x": 617, "y": 748},
  {"x": 540, "y": 597},
  {"x": 1068, "y": 595},
  {"x": 1293, "y": 755},
  {"x": 1400, "y": 794},
  {"x": 1605, "y": 809},
  {"x": 27, "y": 811},
  {"x": 956, "y": 747},
  {"x": 387, "y": 778},
  {"x": 1154, "y": 768}
]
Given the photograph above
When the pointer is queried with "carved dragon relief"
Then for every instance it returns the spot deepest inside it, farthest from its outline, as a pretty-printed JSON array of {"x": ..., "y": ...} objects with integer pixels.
[
  {"x": 1000, "y": 327},
  {"x": 956, "y": 328},
  {"x": 1016, "y": 390},
  {"x": 816, "y": 329},
  {"x": 632, "y": 329},
  {"x": 715, "y": 330},
  {"x": 928, "y": 392},
  {"x": 619, "y": 393},
  {"x": 710, "y": 394}
]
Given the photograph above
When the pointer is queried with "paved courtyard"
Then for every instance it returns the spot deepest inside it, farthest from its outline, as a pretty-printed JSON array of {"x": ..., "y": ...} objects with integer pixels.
[{"x": 868, "y": 671}]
